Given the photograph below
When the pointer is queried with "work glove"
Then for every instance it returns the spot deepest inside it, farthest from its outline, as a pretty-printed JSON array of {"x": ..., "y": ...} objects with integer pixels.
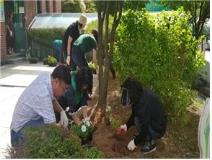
[
  {"x": 63, "y": 119},
  {"x": 121, "y": 130},
  {"x": 86, "y": 119},
  {"x": 131, "y": 145}
]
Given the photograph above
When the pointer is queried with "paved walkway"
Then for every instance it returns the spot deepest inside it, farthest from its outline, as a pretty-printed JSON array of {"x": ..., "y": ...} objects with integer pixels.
[{"x": 14, "y": 79}]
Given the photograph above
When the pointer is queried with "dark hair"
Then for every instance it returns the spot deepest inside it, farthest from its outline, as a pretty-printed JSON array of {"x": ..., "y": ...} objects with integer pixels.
[
  {"x": 85, "y": 77},
  {"x": 134, "y": 87},
  {"x": 95, "y": 34},
  {"x": 62, "y": 72}
]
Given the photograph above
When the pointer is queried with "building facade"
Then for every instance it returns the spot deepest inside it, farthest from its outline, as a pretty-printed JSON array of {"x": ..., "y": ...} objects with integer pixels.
[{"x": 23, "y": 12}]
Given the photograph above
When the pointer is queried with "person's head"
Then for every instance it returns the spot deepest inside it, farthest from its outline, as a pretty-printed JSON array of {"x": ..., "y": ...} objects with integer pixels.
[
  {"x": 95, "y": 34},
  {"x": 82, "y": 21},
  {"x": 60, "y": 80},
  {"x": 85, "y": 80},
  {"x": 132, "y": 89}
]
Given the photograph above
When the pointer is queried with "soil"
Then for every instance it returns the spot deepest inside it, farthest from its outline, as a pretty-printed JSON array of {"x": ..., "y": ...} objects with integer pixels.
[{"x": 178, "y": 142}]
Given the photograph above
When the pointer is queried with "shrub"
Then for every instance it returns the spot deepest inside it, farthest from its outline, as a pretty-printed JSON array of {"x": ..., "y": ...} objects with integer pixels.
[
  {"x": 53, "y": 142},
  {"x": 46, "y": 36},
  {"x": 71, "y": 6},
  {"x": 51, "y": 61},
  {"x": 160, "y": 51}
]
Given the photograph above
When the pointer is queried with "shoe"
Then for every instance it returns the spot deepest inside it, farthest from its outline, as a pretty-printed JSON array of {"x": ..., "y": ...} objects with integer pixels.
[{"x": 148, "y": 147}]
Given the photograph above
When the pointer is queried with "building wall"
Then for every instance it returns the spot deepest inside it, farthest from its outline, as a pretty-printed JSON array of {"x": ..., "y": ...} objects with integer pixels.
[
  {"x": 58, "y": 6},
  {"x": 30, "y": 11},
  {"x": 3, "y": 49},
  {"x": 30, "y": 8},
  {"x": 50, "y": 6}
]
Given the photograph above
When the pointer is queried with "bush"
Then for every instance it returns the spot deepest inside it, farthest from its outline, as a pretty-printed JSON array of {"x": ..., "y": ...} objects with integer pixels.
[
  {"x": 71, "y": 6},
  {"x": 160, "y": 51},
  {"x": 53, "y": 142},
  {"x": 46, "y": 36},
  {"x": 51, "y": 61}
]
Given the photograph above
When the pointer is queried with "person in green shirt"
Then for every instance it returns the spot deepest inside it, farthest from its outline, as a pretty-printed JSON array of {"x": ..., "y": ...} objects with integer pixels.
[
  {"x": 76, "y": 98},
  {"x": 83, "y": 45}
]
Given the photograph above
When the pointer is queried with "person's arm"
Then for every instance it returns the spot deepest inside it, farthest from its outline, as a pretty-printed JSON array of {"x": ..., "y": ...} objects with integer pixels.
[
  {"x": 56, "y": 106},
  {"x": 76, "y": 118},
  {"x": 130, "y": 121},
  {"x": 63, "y": 117},
  {"x": 69, "y": 50}
]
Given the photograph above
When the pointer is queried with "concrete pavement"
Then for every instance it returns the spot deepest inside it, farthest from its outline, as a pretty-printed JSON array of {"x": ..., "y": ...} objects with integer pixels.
[{"x": 14, "y": 78}]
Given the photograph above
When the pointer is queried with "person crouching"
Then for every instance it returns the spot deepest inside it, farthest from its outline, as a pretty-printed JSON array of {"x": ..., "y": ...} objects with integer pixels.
[{"x": 147, "y": 115}]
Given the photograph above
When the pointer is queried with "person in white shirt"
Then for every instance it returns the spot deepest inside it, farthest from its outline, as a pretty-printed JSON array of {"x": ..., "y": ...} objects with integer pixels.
[{"x": 37, "y": 103}]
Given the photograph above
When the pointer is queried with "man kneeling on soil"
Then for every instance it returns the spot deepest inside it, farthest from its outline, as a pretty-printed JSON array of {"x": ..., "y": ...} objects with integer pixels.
[
  {"x": 37, "y": 103},
  {"x": 147, "y": 115}
]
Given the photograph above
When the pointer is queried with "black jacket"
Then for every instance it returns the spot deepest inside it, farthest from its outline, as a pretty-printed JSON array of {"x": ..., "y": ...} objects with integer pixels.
[
  {"x": 72, "y": 31},
  {"x": 149, "y": 112}
]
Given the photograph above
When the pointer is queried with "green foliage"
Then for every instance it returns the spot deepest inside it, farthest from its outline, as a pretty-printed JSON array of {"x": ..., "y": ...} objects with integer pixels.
[
  {"x": 91, "y": 25},
  {"x": 160, "y": 51},
  {"x": 90, "y": 6},
  {"x": 46, "y": 36},
  {"x": 134, "y": 5},
  {"x": 84, "y": 130},
  {"x": 92, "y": 66},
  {"x": 53, "y": 142},
  {"x": 94, "y": 153},
  {"x": 113, "y": 121},
  {"x": 71, "y": 6},
  {"x": 51, "y": 61}
]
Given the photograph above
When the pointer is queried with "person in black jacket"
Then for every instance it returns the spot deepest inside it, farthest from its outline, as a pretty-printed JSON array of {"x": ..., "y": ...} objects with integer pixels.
[
  {"x": 70, "y": 36},
  {"x": 147, "y": 115}
]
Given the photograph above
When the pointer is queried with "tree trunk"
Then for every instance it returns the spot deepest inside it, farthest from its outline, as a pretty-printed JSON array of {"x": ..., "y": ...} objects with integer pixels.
[{"x": 104, "y": 50}]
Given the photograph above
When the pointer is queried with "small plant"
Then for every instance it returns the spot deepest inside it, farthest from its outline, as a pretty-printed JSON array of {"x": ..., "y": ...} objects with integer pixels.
[
  {"x": 52, "y": 61},
  {"x": 110, "y": 120},
  {"x": 84, "y": 131},
  {"x": 92, "y": 66},
  {"x": 93, "y": 152}
]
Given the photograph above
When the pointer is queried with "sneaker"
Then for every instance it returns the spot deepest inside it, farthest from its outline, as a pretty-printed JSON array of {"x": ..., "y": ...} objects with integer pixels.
[{"x": 148, "y": 147}]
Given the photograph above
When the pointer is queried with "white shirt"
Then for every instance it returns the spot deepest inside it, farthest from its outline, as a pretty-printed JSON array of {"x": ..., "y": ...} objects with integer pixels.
[{"x": 35, "y": 102}]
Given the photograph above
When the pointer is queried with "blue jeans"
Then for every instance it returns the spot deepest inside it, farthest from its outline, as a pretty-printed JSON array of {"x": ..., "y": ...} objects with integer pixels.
[{"x": 17, "y": 137}]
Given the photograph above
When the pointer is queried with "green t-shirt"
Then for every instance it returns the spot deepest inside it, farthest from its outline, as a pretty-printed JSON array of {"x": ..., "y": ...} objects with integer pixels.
[
  {"x": 86, "y": 43},
  {"x": 77, "y": 95}
]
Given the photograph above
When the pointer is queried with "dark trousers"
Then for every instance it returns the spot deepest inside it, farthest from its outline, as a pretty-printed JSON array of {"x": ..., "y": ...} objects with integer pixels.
[
  {"x": 17, "y": 137},
  {"x": 146, "y": 134}
]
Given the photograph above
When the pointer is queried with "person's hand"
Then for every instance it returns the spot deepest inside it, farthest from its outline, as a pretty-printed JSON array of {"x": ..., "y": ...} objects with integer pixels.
[
  {"x": 121, "y": 130},
  {"x": 86, "y": 119},
  {"x": 63, "y": 119},
  {"x": 131, "y": 145},
  {"x": 68, "y": 59}
]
